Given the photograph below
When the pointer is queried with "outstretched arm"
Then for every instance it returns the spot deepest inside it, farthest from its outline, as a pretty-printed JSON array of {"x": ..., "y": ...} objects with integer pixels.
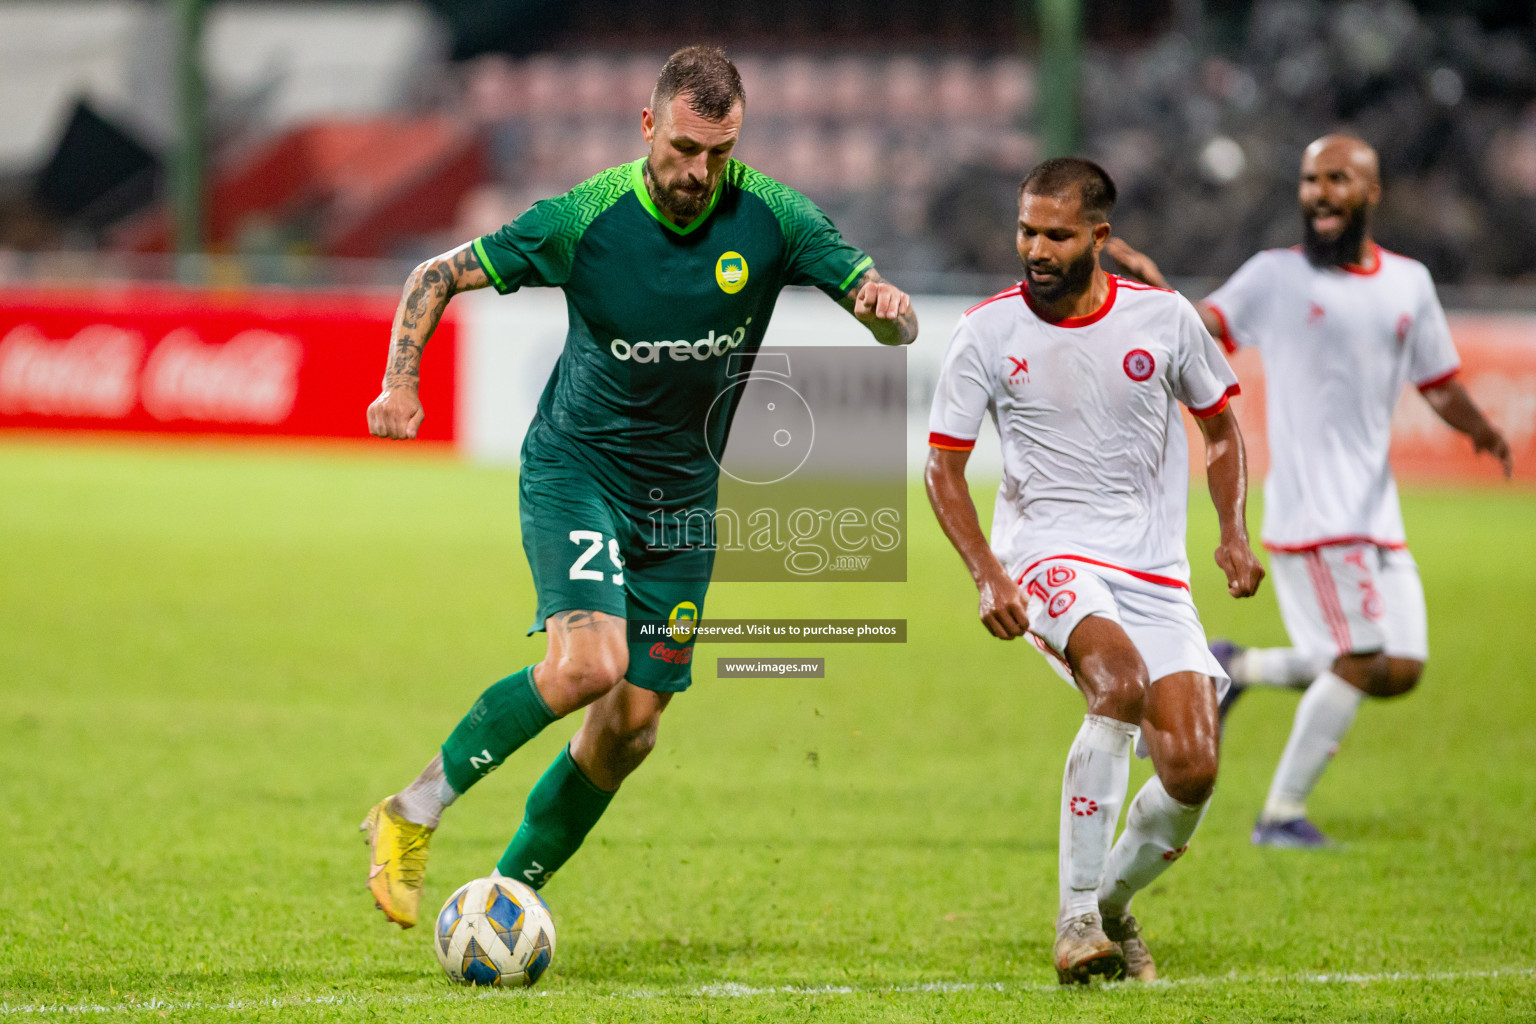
[
  {"x": 1139, "y": 265},
  {"x": 1226, "y": 471},
  {"x": 1451, "y": 402},
  {"x": 1003, "y": 609},
  {"x": 882, "y": 307},
  {"x": 397, "y": 412}
]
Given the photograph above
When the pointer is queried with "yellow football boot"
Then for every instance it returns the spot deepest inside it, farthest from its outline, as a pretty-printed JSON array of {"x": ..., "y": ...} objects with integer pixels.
[{"x": 398, "y": 863}]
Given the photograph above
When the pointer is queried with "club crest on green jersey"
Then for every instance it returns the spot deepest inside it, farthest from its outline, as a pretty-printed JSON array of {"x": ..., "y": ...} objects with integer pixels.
[{"x": 731, "y": 272}]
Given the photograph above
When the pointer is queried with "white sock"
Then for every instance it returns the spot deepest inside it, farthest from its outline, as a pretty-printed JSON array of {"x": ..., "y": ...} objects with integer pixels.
[
  {"x": 1276, "y": 666},
  {"x": 1157, "y": 831},
  {"x": 1092, "y": 792},
  {"x": 422, "y": 802},
  {"x": 1322, "y": 718}
]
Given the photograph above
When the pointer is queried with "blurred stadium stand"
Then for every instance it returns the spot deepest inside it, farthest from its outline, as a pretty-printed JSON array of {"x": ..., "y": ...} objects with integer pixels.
[
  {"x": 346, "y": 189},
  {"x": 910, "y": 123}
]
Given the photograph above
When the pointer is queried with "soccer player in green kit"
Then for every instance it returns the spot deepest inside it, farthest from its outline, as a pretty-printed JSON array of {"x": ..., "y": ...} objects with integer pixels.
[{"x": 671, "y": 265}]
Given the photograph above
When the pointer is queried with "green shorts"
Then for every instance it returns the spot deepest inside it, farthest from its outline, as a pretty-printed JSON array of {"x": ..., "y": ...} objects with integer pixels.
[{"x": 588, "y": 553}]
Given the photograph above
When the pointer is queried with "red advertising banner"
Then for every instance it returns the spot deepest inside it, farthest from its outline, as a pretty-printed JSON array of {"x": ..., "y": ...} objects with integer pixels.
[
  {"x": 1498, "y": 368},
  {"x": 165, "y": 359}
]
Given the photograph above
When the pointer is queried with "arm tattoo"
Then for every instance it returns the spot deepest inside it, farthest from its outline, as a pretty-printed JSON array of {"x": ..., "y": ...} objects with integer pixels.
[
  {"x": 427, "y": 292},
  {"x": 568, "y": 622}
]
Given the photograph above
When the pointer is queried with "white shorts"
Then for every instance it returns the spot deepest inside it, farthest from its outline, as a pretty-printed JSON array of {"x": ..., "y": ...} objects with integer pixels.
[
  {"x": 1352, "y": 599},
  {"x": 1159, "y": 618}
]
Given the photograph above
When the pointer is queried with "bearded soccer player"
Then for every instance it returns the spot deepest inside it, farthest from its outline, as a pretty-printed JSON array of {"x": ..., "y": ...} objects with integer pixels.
[
  {"x": 1082, "y": 374},
  {"x": 1341, "y": 325},
  {"x": 670, "y": 265}
]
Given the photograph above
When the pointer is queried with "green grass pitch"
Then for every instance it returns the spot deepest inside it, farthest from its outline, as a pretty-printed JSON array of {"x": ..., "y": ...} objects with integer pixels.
[{"x": 213, "y": 659}]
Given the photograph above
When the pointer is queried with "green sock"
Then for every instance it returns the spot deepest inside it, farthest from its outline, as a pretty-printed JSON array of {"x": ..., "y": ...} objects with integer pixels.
[
  {"x": 505, "y": 717},
  {"x": 562, "y": 808}
]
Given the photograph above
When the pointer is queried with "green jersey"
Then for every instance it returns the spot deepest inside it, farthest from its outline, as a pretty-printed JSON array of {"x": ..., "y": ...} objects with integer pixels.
[{"x": 656, "y": 314}]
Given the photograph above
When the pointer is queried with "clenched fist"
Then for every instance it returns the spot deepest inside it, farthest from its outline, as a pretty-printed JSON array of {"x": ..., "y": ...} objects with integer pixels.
[
  {"x": 1243, "y": 570},
  {"x": 396, "y": 414},
  {"x": 1002, "y": 607},
  {"x": 880, "y": 300}
]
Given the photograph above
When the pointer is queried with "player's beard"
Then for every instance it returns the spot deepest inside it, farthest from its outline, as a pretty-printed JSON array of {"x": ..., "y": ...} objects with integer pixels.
[
  {"x": 1075, "y": 277},
  {"x": 680, "y": 203},
  {"x": 1335, "y": 252}
]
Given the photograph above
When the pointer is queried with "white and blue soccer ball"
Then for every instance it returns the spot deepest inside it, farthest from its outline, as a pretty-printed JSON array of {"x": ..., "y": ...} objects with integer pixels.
[{"x": 494, "y": 931}]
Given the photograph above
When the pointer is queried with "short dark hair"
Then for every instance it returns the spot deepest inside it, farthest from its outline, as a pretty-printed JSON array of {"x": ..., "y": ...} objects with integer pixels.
[
  {"x": 708, "y": 78},
  {"x": 1063, "y": 174}
]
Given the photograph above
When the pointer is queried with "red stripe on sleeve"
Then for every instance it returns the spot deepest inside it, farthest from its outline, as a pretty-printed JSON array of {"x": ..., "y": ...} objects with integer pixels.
[
  {"x": 1225, "y": 337},
  {"x": 1212, "y": 410},
  {"x": 1435, "y": 382},
  {"x": 950, "y": 444}
]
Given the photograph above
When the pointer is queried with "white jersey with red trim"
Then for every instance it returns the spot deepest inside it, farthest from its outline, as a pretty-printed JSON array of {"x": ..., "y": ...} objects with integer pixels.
[
  {"x": 1338, "y": 346},
  {"x": 1095, "y": 462}
]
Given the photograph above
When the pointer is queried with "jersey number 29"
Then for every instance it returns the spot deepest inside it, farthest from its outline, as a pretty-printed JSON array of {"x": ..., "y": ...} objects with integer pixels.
[{"x": 594, "y": 542}]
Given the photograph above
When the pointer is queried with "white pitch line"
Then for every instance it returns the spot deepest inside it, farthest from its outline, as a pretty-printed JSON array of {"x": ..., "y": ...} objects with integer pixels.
[{"x": 735, "y": 990}]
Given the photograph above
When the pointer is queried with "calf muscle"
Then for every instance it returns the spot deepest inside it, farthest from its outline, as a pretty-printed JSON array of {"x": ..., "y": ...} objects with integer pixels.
[
  {"x": 617, "y": 733},
  {"x": 1182, "y": 735}
]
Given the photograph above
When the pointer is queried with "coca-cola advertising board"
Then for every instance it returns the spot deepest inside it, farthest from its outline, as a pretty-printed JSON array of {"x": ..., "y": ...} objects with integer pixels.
[{"x": 163, "y": 359}]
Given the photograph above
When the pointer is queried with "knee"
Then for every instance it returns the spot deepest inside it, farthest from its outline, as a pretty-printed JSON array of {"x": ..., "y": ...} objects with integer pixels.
[
  {"x": 1378, "y": 675},
  {"x": 1401, "y": 676},
  {"x": 1365, "y": 672},
  {"x": 582, "y": 679},
  {"x": 1121, "y": 697},
  {"x": 1108, "y": 669},
  {"x": 1190, "y": 779}
]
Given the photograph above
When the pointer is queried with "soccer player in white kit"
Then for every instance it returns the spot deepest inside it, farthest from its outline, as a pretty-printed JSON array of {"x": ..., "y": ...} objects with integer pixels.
[
  {"x": 1082, "y": 374},
  {"x": 1341, "y": 325}
]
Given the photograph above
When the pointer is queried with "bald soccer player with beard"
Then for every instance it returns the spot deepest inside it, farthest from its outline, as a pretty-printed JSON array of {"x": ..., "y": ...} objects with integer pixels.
[{"x": 1341, "y": 325}]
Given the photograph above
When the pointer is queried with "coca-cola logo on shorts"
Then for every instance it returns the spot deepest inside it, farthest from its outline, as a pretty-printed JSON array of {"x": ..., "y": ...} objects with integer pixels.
[
  {"x": 661, "y": 652},
  {"x": 1139, "y": 364}
]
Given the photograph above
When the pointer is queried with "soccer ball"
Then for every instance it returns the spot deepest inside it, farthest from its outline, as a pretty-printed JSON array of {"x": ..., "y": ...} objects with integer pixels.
[{"x": 495, "y": 931}]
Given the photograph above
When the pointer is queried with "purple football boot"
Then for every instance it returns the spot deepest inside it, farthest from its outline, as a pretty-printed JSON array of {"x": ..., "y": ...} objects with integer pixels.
[
  {"x": 1225, "y": 651},
  {"x": 1291, "y": 834}
]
